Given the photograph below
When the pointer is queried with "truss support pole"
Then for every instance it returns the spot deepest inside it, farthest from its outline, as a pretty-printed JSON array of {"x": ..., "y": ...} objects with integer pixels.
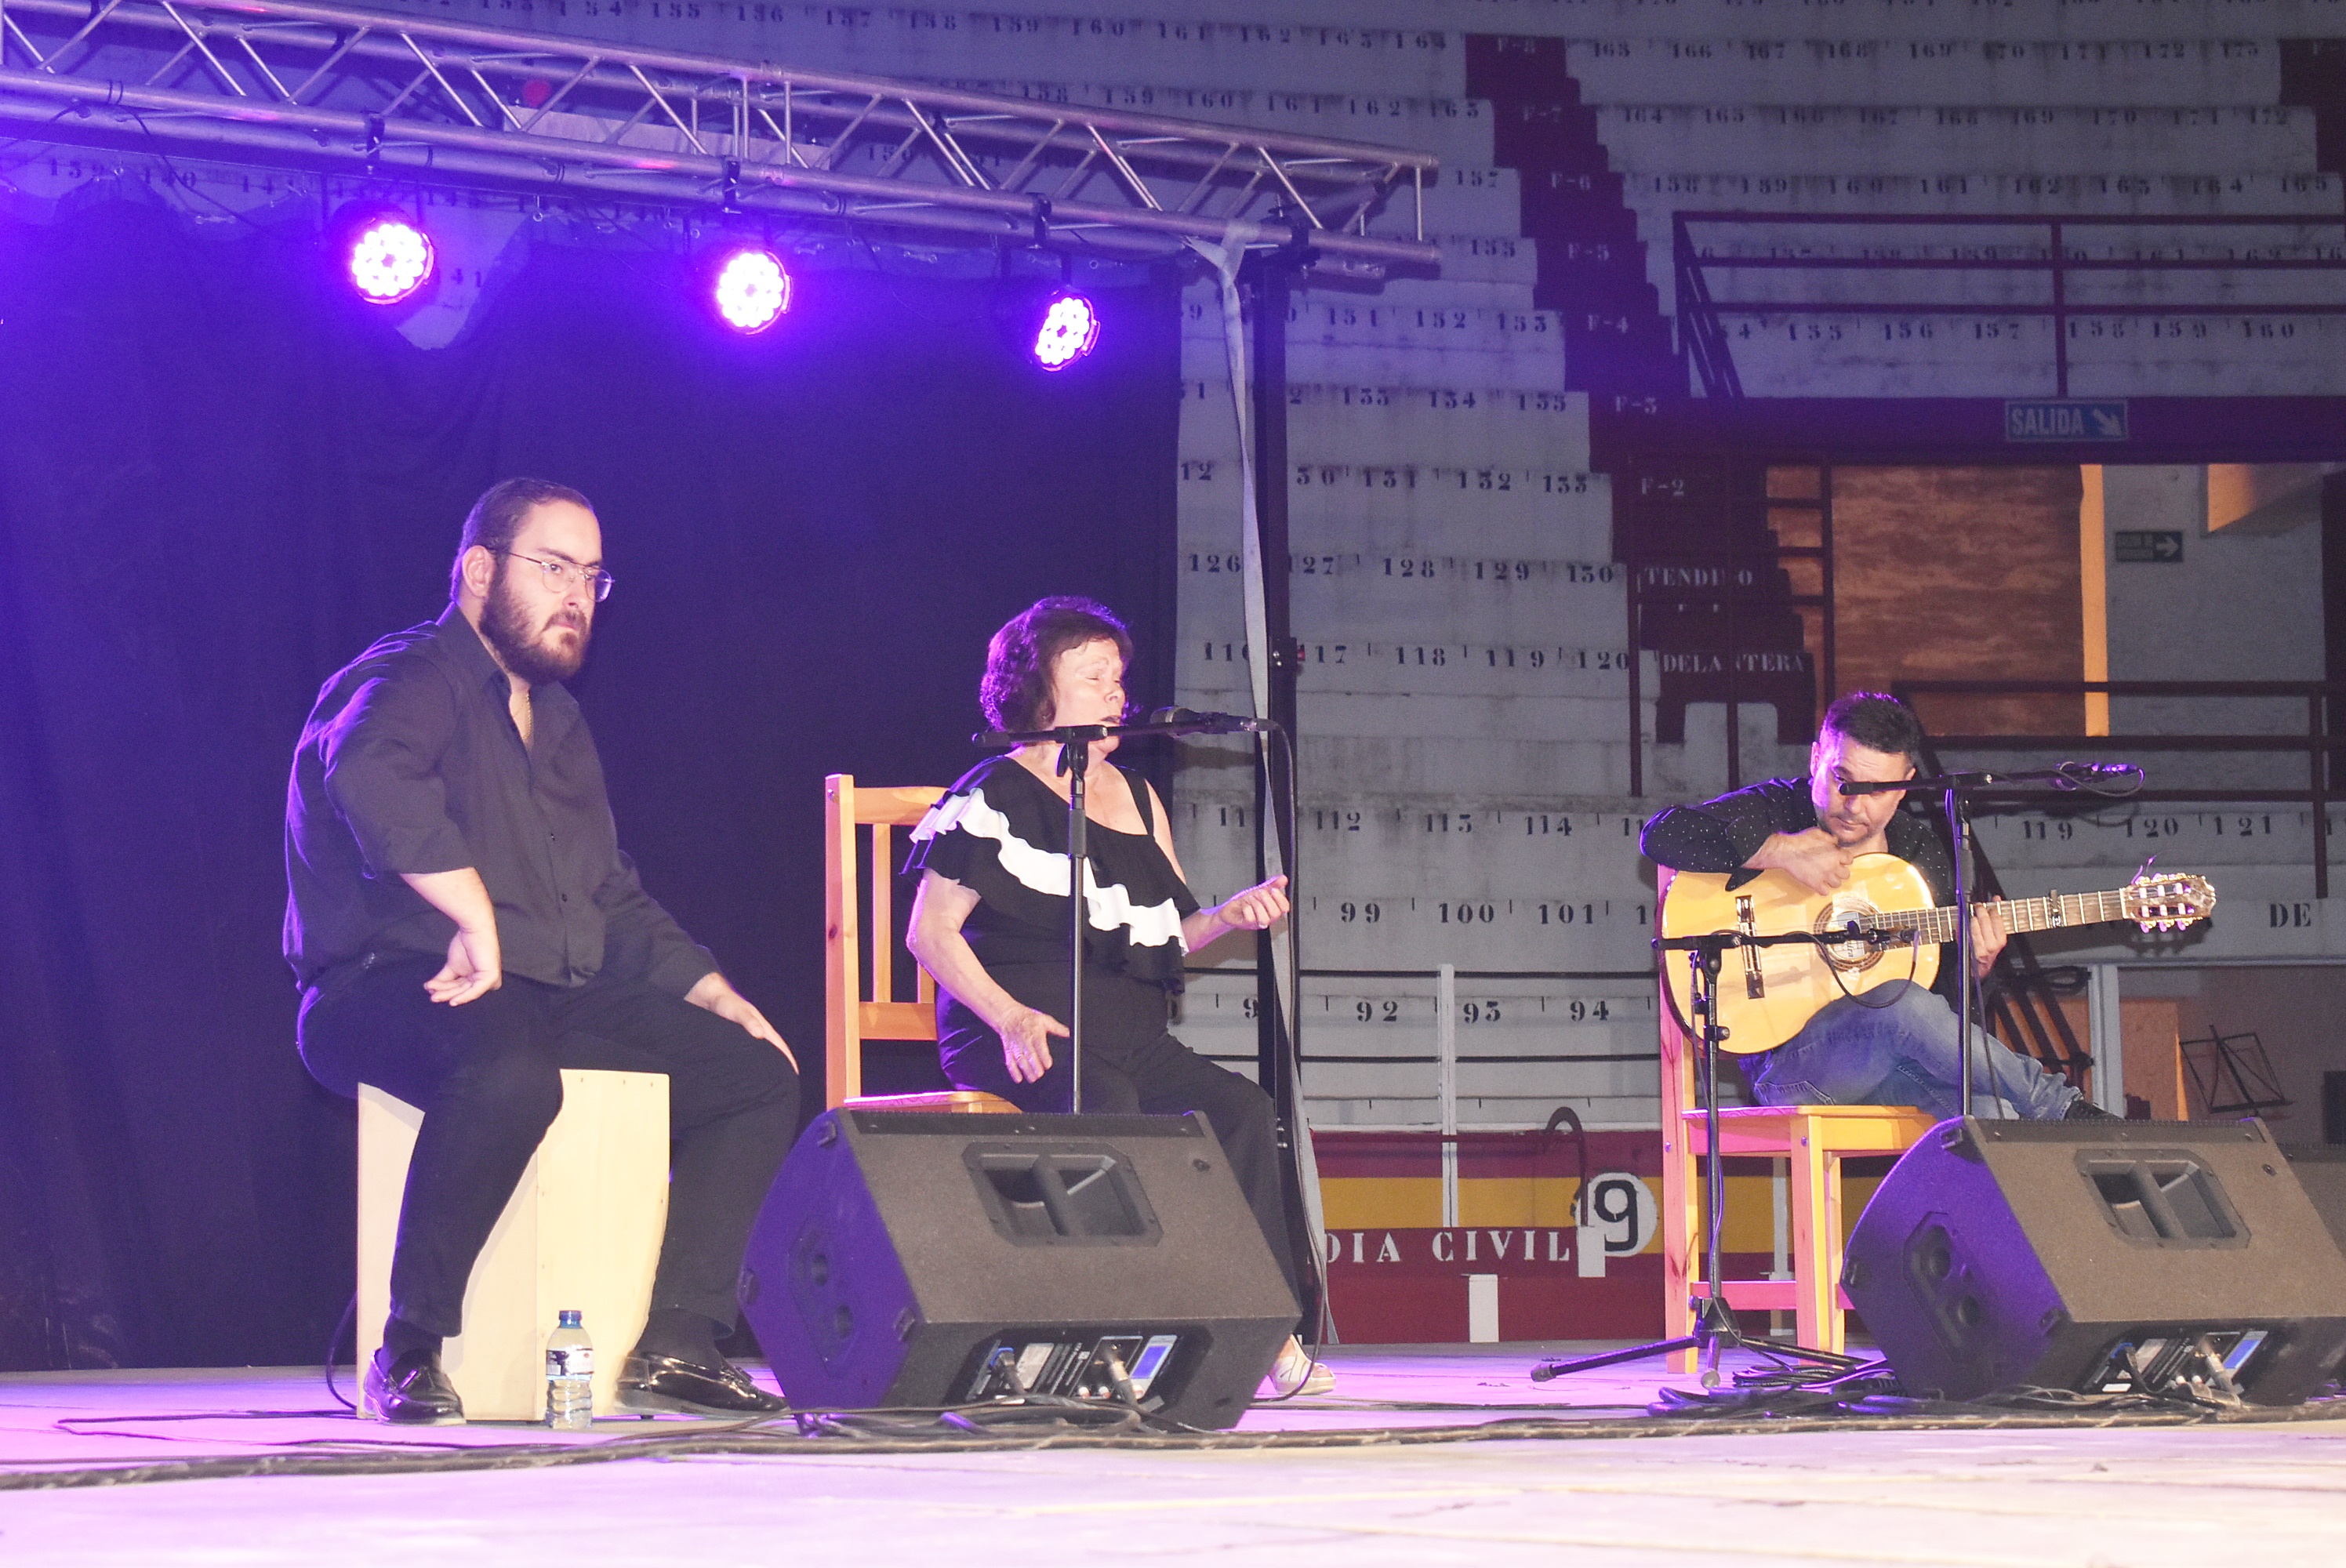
[{"x": 631, "y": 126}]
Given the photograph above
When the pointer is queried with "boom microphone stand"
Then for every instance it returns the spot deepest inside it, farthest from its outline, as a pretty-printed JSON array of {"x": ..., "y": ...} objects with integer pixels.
[
  {"x": 1715, "y": 1328},
  {"x": 2100, "y": 778},
  {"x": 1074, "y": 743}
]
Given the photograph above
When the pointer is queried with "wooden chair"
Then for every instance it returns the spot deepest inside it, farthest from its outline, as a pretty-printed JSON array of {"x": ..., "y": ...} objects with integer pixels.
[
  {"x": 849, "y": 1019},
  {"x": 1811, "y": 1139}
]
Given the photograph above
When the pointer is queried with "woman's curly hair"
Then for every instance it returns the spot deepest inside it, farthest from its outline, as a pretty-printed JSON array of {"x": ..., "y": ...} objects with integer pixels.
[{"x": 1015, "y": 691}]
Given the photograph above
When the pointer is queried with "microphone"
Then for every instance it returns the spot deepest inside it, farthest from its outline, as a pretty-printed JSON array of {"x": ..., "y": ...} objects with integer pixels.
[
  {"x": 1184, "y": 721},
  {"x": 2099, "y": 777}
]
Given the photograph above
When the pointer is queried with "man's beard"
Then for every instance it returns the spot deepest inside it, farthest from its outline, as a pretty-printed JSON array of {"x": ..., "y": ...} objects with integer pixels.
[{"x": 506, "y": 625}]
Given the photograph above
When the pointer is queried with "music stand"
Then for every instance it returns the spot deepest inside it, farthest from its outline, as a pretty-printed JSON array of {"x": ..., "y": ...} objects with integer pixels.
[{"x": 2255, "y": 1089}]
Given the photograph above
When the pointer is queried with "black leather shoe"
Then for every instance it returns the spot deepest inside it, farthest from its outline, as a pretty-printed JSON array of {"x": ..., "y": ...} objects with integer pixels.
[
  {"x": 650, "y": 1385},
  {"x": 2084, "y": 1110},
  {"x": 413, "y": 1392}
]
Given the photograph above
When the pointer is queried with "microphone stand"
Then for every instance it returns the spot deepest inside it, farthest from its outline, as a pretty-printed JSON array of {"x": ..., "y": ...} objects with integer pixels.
[
  {"x": 1074, "y": 743},
  {"x": 1957, "y": 787},
  {"x": 1715, "y": 1328}
]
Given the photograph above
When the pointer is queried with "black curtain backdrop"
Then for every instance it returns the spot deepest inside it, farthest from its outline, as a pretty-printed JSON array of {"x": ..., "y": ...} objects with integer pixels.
[{"x": 222, "y": 476}]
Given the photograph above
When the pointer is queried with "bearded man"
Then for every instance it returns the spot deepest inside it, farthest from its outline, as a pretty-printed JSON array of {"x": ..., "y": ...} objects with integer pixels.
[{"x": 464, "y": 926}]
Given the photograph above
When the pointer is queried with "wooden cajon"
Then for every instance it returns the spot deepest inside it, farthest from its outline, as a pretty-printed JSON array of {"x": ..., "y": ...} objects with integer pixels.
[{"x": 582, "y": 1229}]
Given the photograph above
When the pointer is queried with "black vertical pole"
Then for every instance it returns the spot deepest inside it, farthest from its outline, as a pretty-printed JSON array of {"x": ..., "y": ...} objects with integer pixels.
[
  {"x": 1959, "y": 828},
  {"x": 1075, "y": 761},
  {"x": 1273, "y": 279}
]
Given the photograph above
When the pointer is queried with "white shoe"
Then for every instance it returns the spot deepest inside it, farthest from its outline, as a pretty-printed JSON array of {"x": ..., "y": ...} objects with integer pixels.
[{"x": 1297, "y": 1372}]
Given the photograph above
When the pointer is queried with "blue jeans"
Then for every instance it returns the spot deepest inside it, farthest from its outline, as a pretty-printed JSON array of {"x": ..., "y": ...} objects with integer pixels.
[{"x": 1896, "y": 1046}]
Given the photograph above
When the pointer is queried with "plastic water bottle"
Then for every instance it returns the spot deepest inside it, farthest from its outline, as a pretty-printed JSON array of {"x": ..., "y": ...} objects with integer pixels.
[{"x": 569, "y": 1376}]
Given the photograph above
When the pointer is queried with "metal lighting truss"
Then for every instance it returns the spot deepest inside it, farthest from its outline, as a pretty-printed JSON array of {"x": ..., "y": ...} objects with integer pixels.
[{"x": 406, "y": 96}]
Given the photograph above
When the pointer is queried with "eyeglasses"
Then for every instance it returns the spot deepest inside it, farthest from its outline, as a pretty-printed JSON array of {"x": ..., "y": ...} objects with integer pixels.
[{"x": 560, "y": 574}]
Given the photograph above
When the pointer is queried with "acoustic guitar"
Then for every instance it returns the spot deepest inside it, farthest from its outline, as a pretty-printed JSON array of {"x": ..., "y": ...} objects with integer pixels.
[{"x": 1892, "y": 932}]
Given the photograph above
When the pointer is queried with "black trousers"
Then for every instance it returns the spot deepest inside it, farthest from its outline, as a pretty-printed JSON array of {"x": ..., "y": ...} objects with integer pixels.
[
  {"x": 1132, "y": 1062},
  {"x": 488, "y": 1077}
]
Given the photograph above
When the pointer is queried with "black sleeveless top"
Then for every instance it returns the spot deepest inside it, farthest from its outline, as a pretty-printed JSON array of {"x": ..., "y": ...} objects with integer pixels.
[{"x": 1003, "y": 834}]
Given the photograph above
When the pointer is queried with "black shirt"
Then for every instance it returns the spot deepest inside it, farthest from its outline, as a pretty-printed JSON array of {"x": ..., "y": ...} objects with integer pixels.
[
  {"x": 1720, "y": 835},
  {"x": 1002, "y": 833},
  {"x": 411, "y": 763}
]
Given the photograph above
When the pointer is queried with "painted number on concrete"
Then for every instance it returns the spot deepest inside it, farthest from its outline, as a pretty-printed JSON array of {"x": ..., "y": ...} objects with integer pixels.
[{"x": 1622, "y": 1207}]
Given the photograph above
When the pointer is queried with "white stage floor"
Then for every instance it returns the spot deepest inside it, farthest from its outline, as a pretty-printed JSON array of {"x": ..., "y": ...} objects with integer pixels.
[{"x": 2140, "y": 1496}]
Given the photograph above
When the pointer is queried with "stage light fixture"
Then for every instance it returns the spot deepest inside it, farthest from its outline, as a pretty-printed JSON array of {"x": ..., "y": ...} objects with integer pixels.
[
  {"x": 1070, "y": 327},
  {"x": 391, "y": 259},
  {"x": 752, "y": 290}
]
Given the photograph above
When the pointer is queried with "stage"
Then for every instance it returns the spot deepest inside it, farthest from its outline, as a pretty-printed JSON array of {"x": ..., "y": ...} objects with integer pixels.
[{"x": 2068, "y": 1492}]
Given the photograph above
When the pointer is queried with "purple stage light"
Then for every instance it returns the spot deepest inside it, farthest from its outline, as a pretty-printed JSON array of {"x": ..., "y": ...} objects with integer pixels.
[
  {"x": 1069, "y": 330},
  {"x": 752, "y": 290},
  {"x": 390, "y": 260}
]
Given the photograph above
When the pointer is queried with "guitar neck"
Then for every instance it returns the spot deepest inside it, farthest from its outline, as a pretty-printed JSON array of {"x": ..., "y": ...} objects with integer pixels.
[{"x": 2050, "y": 913}]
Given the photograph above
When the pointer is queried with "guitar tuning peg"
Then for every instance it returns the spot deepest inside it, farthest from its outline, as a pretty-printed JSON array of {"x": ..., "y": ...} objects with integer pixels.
[{"x": 2145, "y": 872}]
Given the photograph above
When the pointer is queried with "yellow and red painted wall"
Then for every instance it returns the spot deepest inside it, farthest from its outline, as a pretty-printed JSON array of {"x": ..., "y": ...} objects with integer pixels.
[{"x": 1518, "y": 1264}]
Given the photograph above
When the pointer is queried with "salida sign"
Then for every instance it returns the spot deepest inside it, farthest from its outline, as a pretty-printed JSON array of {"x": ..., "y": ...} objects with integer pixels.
[{"x": 2064, "y": 419}]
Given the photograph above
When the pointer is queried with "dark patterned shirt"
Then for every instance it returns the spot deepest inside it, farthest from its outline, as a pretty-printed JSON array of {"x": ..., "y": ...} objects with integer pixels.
[{"x": 1721, "y": 835}]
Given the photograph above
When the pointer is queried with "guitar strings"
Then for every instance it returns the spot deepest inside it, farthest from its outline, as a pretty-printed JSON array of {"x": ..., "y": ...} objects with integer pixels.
[{"x": 1892, "y": 994}]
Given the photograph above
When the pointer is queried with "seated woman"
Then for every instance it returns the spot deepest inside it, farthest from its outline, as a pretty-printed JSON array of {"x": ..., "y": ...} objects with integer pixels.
[{"x": 989, "y": 921}]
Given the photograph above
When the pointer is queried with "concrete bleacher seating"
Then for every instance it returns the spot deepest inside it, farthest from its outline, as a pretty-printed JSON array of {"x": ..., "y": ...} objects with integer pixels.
[
  {"x": 1755, "y": 65},
  {"x": 1444, "y": 424},
  {"x": 1672, "y": 135}
]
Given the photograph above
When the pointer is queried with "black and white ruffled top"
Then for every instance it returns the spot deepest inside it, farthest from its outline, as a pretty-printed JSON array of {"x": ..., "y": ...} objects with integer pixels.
[{"x": 1003, "y": 834}]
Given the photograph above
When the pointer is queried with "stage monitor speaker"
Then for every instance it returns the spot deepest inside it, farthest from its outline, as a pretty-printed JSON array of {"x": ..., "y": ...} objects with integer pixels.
[
  {"x": 2102, "y": 1258},
  {"x": 2321, "y": 1170},
  {"x": 910, "y": 1261}
]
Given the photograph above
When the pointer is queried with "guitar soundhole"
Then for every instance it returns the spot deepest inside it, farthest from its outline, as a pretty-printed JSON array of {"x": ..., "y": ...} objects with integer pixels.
[{"x": 1849, "y": 956}]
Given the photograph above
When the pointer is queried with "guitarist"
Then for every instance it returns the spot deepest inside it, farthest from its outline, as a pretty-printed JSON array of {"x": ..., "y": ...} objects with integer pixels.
[{"x": 1895, "y": 1045}]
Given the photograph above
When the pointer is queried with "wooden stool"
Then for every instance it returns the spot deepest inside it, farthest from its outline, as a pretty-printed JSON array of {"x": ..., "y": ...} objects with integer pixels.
[
  {"x": 582, "y": 1229},
  {"x": 1812, "y": 1141}
]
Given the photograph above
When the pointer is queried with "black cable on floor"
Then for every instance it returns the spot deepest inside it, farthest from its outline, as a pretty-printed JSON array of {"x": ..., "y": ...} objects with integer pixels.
[
  {"x": 761, "y": 1440},
  {"x": 334, "y": 1343}
]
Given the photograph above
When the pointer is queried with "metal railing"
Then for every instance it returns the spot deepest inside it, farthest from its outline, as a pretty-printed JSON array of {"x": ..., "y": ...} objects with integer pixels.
[
  {"x": 1706, "y": 345},
  {"x": 1446, "y": 1058},
  {"x": 316, "y": 82}
]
